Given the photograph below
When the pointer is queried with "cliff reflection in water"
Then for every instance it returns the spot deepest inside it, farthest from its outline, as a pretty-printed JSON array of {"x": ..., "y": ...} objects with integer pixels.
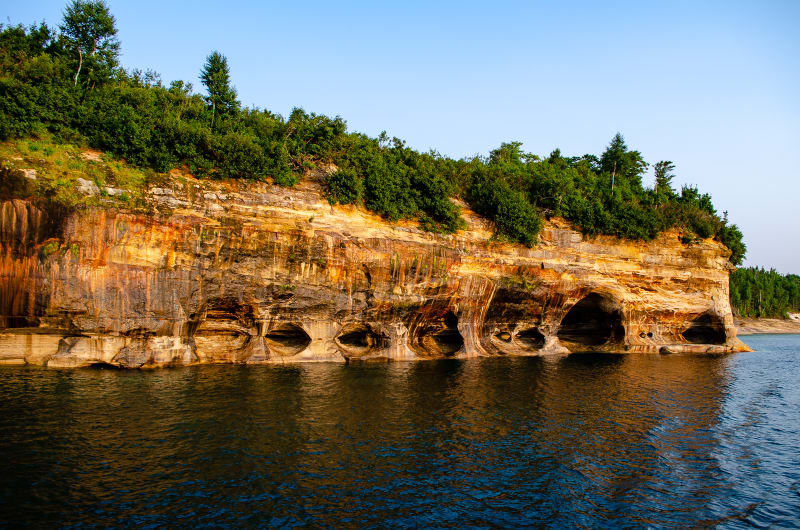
[{"x": 588, "y": 440}]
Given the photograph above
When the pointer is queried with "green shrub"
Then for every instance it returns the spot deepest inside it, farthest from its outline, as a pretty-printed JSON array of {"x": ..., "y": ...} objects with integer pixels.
[
  {"x": 514, "y": 216},
  {"x": 344, "y": 187},
  {"x": 240, "y": 156}
]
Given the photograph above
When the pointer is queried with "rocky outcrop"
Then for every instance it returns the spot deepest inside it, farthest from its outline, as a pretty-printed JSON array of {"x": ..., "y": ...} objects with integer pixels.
[{"x": 236, "y": 272}]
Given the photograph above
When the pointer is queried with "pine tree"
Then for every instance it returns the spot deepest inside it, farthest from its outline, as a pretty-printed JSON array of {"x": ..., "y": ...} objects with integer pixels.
[
  {"x": 221, "y": 95},
  {"x": 664, "y": 174},
  {"x": 621, "y": 164}
]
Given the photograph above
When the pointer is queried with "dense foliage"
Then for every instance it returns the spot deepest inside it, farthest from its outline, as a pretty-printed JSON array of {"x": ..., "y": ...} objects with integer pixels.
[
  {"x": 68, "y": 85},
  {"x": 756, "y": 292}
]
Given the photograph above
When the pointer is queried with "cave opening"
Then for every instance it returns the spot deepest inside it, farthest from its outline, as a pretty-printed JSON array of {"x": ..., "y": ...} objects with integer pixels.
[
  {"x": 287, "y": 339},
  {"x": 593, "y": 321},
  {"x": 101, "y": 365},
  {"x": 706, "y": 329},
  {"x": 434, "y": 334},
  {"x": 531, "y": 338},
  {"x": 448, "y": 340},
  {"x": 359, "y": 339}
]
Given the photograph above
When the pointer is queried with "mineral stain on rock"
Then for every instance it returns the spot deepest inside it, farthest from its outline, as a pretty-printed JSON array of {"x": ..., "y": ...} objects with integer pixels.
[{"x": 234, "y": 272}]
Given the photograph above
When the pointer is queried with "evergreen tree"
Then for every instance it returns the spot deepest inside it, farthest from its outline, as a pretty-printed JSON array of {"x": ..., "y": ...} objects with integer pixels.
[
  {"x": 217, "y": 80},
  {"x": 622, "y": 165},
  {"x": 756, "y": 292},
  {"x": 664, "y": 173}
]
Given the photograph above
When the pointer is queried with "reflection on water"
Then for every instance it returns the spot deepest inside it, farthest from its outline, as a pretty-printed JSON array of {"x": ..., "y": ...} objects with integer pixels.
[{"x": 588, "y": 440}]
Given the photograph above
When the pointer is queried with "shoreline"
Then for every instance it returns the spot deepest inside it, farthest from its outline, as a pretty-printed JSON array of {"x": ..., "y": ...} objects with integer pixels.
[{"x": 753, "y": 326}]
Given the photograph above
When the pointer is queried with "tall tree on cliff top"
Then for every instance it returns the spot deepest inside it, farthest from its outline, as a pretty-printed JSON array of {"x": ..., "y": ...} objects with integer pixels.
[
  {"x": 621, "y": 164},
  {"x": 217, "y": 79},
  {"x": 91, "y": 32},
  {"x": 664, "y": 173}
]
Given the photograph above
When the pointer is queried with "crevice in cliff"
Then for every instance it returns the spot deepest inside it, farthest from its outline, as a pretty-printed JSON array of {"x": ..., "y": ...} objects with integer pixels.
[
  {"x": 138, "y": 333},
  {"x": 593, "y": 321},
  {"x": 222, "y": 316},
  {"x": 229, "y": 309},
  {"x": 531, "y": 338},
  {"x": 358, "y": 340},
  {"x": 287, "y": 339},
  {"x": 103, "y": 366},
  {"x": 706, "y": 329}
]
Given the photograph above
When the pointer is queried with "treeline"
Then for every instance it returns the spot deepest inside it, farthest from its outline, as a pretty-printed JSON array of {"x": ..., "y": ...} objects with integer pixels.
[
  {"x": 67, "y": 83},
  {"x": 756, "y": 292}
]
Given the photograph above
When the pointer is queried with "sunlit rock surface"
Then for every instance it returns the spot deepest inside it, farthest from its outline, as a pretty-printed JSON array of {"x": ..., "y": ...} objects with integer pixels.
[{"x": 238, "y": 272}]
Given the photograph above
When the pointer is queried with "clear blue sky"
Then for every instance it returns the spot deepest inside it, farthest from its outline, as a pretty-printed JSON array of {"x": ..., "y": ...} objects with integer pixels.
[{"x": 712, "y": 86}]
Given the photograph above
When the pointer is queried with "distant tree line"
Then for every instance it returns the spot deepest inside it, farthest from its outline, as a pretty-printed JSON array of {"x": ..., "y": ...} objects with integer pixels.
[
  {"x": 67, "y": 83},
  {"x": 756, "y": 292}
]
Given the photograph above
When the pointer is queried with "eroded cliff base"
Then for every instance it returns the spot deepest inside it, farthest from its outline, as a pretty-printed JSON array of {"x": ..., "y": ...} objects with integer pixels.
[{"x": 236, "y": 272}]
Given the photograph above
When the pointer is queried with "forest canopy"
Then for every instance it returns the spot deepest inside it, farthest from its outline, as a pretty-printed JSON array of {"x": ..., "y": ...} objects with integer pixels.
[
  {"x": 759, "y": 293},
  {"x": 68, "y": 84}
]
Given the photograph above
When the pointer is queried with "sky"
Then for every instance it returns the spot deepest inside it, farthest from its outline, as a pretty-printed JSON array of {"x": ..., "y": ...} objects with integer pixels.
[{"x": 713, "y": 86}]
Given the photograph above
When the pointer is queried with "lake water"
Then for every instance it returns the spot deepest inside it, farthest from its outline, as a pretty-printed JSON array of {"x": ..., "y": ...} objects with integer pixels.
[{"x": 586, "y": 440}]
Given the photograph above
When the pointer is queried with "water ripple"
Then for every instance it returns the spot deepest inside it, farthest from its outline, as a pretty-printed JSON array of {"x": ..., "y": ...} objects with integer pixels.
[{"x": 586, "y": 441}]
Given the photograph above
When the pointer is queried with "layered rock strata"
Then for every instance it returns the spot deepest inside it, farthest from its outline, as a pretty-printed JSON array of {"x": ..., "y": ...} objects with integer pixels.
[{"x": 236, "y": 272}]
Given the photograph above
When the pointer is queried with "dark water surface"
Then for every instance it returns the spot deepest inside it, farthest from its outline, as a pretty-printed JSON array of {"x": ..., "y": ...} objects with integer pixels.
[{"x": 586, "y": 440}]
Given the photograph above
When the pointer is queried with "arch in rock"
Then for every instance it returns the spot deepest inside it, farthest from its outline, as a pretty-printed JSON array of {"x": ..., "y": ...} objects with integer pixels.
[
  {"x": 222, "y": 329},
  {"x": 707, "y": 328},
  {"x": 437, "y": 337},
  {"x": 287, "y": 339},
  {"x": 531, "y": 338},
  {"x": 358, "y": 340},
  {"x": 594, "y": 321}
]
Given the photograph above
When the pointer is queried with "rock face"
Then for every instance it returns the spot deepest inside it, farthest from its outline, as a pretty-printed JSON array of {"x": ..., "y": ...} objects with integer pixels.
[{"x": 236, "y": 272}]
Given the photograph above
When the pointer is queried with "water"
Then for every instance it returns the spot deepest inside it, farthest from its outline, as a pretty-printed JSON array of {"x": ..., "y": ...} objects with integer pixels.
[{"x": 586, "y": 440}]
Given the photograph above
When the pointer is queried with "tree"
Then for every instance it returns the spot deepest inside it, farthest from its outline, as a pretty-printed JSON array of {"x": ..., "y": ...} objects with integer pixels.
[
  {"x": 217, "y": 80},
  {"x": 622, "y": 164},
  {"x": 91, "y": 32},
  {"x": 664, "y": 173}
]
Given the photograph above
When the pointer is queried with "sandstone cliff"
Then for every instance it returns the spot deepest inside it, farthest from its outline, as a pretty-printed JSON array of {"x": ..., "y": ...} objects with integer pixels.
[{"x": 237, "y": 272}]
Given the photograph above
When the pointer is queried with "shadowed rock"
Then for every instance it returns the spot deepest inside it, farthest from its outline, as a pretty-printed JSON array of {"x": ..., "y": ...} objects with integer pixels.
[
  {"x": 287, "y": 339},
  {"x": 359, "y": 340},
  {"x": 593, "y": 321},
  {"x": 531, "y": 338},
  {"x": 705, "y": 329},
  {"x": 440, "y": 337}
]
